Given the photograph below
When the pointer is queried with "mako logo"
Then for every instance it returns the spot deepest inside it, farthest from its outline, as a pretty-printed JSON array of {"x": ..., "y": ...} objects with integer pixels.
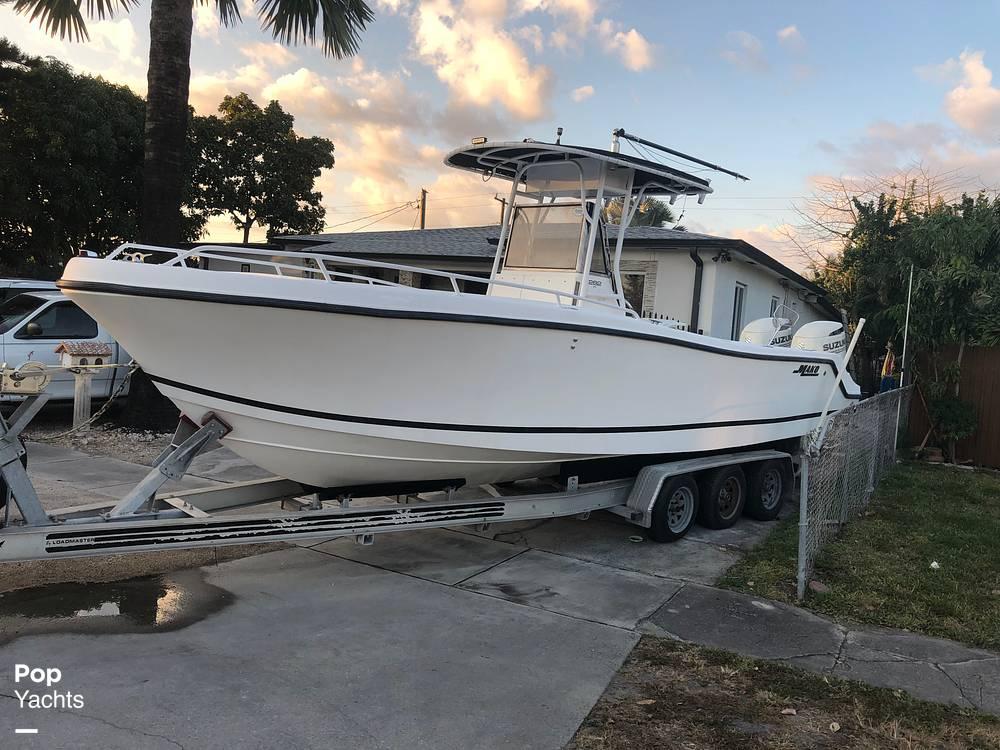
[{"x": 806, "y": 371}]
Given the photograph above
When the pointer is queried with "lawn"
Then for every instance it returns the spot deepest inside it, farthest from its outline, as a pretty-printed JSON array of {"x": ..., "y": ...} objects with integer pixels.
[
  {"x": 879, "y": 569},
  {"x": 671, "y": 695}
]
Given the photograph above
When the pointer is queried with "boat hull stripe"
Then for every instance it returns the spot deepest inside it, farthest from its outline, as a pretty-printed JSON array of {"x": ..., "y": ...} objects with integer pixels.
[{"x": 284, "y": 409}]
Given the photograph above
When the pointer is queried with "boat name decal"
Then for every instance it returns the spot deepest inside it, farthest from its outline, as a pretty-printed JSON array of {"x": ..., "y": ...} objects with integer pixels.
[{"x": 806, "y": 370}]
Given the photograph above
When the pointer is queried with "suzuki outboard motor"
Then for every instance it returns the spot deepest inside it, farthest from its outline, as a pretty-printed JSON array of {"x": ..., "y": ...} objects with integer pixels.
[
  {"x": 821, "y": 336},
  {"x": 768, "y": 332}
]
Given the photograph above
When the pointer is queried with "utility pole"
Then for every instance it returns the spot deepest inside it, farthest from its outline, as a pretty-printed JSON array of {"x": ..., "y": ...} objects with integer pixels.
[
  {"x": 423, "y": 208},
  {"x": 503, "y": 206}
]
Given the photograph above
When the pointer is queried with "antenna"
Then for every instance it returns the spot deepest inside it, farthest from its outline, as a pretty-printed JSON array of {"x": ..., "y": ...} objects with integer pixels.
[{"x": 620, "y": 133}]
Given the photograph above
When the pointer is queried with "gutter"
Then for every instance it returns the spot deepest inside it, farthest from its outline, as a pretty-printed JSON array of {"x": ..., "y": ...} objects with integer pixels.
[{"x": 699, "y": 268}]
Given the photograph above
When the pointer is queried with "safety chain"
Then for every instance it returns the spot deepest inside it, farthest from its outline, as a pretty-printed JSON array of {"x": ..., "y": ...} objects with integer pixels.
[{"x": 107, "y": 405}]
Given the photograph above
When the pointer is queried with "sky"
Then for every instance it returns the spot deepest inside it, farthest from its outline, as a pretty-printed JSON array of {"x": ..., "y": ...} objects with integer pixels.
[{"x": 788, "y": 93}]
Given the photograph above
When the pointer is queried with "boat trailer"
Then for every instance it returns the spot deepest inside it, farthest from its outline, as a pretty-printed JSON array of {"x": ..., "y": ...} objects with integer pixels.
[{"x": 146, "y": 520}]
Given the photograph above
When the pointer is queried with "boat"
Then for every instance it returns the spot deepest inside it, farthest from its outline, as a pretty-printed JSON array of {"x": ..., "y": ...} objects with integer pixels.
[{"x": 333, "y": 374}]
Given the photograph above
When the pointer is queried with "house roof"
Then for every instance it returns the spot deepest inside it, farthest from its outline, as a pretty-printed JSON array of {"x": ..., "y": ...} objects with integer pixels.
[
  {"x": 480, "y": 242},
  {"x": 457, "y": 242}
]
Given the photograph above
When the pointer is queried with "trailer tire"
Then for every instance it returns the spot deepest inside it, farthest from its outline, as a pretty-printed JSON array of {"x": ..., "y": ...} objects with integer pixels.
[
  {"x": 723, "y": 495},
  {"x": 675, "y": 509},
  {"x": 767, "y": 485}
]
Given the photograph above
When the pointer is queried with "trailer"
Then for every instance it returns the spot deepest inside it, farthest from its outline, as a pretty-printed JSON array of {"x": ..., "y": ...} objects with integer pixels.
[{"x": 665, "y": 498}]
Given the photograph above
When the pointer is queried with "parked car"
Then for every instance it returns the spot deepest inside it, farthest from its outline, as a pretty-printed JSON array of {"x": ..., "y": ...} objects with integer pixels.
[
  {"x": 32, "y": 325},
  {"x": 12, "y": 287}
]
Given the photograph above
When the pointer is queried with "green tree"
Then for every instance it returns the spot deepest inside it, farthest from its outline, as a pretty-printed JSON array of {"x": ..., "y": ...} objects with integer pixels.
[
  {"x": 338, "y": 23},
  {"x": 71, "y": 154},
  {"x": 70, "y": 163},
  {"x": 652, "y": 212},
  {"x": 954, "y": 249},
  {"x": 252, "y": 167}
]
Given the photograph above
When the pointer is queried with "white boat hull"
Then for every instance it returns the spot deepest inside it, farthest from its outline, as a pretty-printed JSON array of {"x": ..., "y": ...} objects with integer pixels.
[{"x": 341, "y": 384}]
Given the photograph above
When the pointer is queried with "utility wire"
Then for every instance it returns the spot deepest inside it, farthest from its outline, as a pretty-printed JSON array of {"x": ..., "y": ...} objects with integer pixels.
[
  {"x": 369, "y": 216},
  {"x": 382, "y": 218}
]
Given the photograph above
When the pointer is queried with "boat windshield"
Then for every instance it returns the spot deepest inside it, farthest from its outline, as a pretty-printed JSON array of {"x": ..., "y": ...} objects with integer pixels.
[
  {"x": 545, "y": 236},
  {"x": 16, "y": 309}
]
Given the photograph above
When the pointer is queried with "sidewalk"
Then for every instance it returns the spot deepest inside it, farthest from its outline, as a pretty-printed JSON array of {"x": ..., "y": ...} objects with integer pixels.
[
  {"x": 933, "y": 669},
  {"x": 595, "y": 571}
]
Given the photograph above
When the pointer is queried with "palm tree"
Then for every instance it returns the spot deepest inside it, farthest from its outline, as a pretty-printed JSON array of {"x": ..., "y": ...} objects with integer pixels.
[
  {"x": 651, "y": 213},
  {"x": 341, "y": 23}
]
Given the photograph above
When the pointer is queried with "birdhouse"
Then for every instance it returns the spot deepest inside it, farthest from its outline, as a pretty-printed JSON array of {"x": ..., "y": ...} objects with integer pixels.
[{"x": 82, "y": 353}]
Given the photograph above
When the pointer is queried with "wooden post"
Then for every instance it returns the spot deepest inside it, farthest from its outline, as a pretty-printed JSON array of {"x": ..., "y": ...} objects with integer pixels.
[
  {"x": 81, "y": 397},
  {"x": 423, "y": 208}
]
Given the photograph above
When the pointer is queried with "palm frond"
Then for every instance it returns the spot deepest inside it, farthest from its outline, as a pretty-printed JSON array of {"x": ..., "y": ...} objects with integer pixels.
[
  {"x": 341, "y": 22},
  {"x": 101, "y": 9},
  {"x": 60, "y": 17},
  {"x": 64, "y": 18},
  {"x": 229, "y": 11}
]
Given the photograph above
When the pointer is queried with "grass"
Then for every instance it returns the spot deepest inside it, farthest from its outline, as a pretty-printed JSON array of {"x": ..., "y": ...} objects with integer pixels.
[
  {"x": 672, "y": 695},
  {"x": 879, "y": 568}
]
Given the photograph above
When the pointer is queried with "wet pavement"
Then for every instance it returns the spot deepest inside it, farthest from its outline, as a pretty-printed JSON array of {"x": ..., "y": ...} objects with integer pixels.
[{"x": 148, "y": 604}]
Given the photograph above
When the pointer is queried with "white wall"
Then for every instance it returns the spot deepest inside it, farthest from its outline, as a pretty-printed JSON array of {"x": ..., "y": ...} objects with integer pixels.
[
  {"x": 761, "y": 285},
  {"x": 670, "y": 285}
]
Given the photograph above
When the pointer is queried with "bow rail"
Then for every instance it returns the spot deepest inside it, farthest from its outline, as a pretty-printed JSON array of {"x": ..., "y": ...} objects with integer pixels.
[{"x": 317, "y": 264}]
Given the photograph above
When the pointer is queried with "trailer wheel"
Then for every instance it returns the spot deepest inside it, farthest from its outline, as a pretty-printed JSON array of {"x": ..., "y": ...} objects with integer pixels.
[
  {"x": 723, "y": 493},
  {"x": 675, "y": 509},
  {"x": 767, "y": 485}
]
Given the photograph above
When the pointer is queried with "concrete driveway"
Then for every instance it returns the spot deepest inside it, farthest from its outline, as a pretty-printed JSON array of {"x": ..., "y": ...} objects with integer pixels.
[{"x": 436, "y": 639}]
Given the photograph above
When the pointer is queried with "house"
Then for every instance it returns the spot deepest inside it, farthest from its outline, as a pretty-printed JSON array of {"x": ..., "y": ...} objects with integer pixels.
[{"x": 712, "y": 285}]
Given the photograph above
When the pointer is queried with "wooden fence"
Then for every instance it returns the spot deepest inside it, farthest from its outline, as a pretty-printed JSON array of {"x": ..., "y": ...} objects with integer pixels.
[{"x": 980, "y": 385}]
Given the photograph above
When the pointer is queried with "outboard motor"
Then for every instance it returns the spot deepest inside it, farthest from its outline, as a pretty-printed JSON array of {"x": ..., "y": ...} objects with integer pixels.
[
  {"x": 768, "y": 332},
  {"x": 821, "y": 336}
]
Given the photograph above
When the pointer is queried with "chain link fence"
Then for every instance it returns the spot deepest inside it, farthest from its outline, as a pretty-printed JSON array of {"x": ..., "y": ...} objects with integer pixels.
[{"x": 837, "y": 480}]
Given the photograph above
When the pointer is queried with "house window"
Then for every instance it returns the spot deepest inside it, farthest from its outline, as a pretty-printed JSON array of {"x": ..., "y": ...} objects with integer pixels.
[
  {"x": 775, "y": 302},
  {"x": 739, "y": 298},
  {"x": 634, "y": 287}
]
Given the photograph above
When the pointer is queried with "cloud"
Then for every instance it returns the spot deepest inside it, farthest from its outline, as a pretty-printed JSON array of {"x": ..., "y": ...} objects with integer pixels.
[
  {"x": 947, "y": 72},
  {"x": 773, "y": 240},
  {"x": 268, "y": 53},
  {"x": 458, "y": 123},
  {"x": 206, "y": 22},
  {"x": 580, "y": 11},
  {"x": 631, "y": 47},
  {"x": 745, "y": 51},
  {"x": 790, "y": 38},
  {"x": 364, "y": 95},
  {"x": 480, "y": 62},
  {"x": 392, "y": 7},
  {"x": 207, "y": 90},
  {"x": 974, "y": 104},
  {"x": 532, "y": 35},
  {"x": 582, "y": 93},
  {"x": 114, "y": 51},
  {"x": 116, "y": 38},
  {"x": 561, "y": 40}
]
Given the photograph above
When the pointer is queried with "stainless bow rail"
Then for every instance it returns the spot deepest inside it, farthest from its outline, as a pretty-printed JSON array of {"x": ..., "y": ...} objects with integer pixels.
[{"x": 318, "y": 267}]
